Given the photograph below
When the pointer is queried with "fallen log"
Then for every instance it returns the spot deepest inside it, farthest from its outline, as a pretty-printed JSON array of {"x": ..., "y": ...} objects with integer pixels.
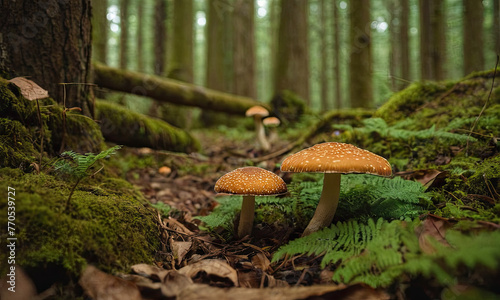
[{"x": 169, "y": 90}]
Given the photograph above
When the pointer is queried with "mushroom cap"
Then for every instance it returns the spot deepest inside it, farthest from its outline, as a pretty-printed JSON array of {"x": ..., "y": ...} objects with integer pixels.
[
  {"x": 250, "y": 181},
  {"x": 335, "y": 157},
  {"x": 257, "y": 110},
  {"x": 271, "y": 121},
  {"x": 29, "y": 89}
]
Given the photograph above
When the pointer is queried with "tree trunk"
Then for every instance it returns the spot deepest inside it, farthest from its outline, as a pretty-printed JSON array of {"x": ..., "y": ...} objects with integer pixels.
[
  {"x": 100, "y": 29},
  {"x": 169, "y": 90},
  {"x": 292, "y": 56},
  {"x": 360, "y": 63},
  {"x": 181, "y": 51},
  {"x": 51, "y": 43},
  {"x": 404, "y": 40},
  {"x": 160, "y": 37},
  {"x": 124, "y": 35},
  {"x": 140, "y": 36},
  {"x": 336, "y": 55},
  {"x": 394, "y": 37},
  {"x": 325, "y": 104},
  {"x": 244, "y": 49},
  {"x": 432, "y": 39},
  {"x": 473, "y": 36},
  {"x": 496, "y": 26}
]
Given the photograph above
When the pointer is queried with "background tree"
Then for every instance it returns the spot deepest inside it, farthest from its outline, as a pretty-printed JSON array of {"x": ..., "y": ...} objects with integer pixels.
[
  {"x": 124, "y": 33},
  {"x": 292, "y": 55},
  {"x": 496, "y": 27},
  {"x": 244, "y": 48},
  {"x": 432, "y": 39},
  {"x": 100, "y": 30},
  {"x": 325, "y": 105},
  {"x": 160, "y": 36},
  {"x": 360, "y": 63},
  {"x": 54, "y": 50},
  {"x": 337, "y": 54},
  {"x": 404, "y": 42},
  {"x": 181, "y": 51},
  {"x": 140, "y": 36},
  {"x": 473, "y": 36}
]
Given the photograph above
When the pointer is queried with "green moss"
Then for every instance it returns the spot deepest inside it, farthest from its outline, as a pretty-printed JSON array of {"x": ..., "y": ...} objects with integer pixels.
[
  {"x": 16, "y": 145},
  {"x": 14, "y": 106},
  {"x": 486, "y": 178},
  {"x": 119, "y": 124},
  {"x": 110, "y": 225}
]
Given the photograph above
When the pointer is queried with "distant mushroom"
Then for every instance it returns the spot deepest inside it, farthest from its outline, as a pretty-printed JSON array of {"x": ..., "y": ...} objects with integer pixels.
[
  {"x": 333, "y": 159},
  {"x": 258, "y": 112},
  {"x": 249, "y": 182},
  {"x": 272, "y": 123}
]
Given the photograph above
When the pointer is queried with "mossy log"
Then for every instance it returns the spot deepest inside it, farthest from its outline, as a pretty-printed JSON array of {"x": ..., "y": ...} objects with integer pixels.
[
  {"x": 169, "y": 90},
  {"x": 123, "y": 126}
]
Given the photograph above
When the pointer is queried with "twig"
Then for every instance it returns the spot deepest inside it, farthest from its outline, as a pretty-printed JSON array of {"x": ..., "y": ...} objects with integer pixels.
[{"x": 484, "y": 107}]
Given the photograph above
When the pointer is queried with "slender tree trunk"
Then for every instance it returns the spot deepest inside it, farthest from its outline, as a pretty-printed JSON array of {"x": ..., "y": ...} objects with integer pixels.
[
  {"x": 215, "y": 46},
  {"x": 473, "y": 36},
  {"x": 124, "y": 34},
  {"x": 140, "y": 36},
  {"x": 432, "y": 39},
  {"x": 496, "y": 26},
  {"x": 181, "y": 52},
  {"x": 360, "y": 63},
  {"x": 292, "y": 57},
  {"x": 244, "y": 48},
  {"x": 404, "y": 43},
  {"x": 325, "y": 103},
  {"x": 337, "y": 55},
  {"x": 48, "y": 47},
  {"x": 160, "y": 37},
  {"x": 394, "y": 36},
  {"x": 100, "y": 27}
]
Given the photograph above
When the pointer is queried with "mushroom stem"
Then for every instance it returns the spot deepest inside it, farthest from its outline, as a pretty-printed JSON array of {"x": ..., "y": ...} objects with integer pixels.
[
  {"x": 246, "y": 216},
  {"x": 261, "y": 134},
  {"x": 327, "y": 205}
]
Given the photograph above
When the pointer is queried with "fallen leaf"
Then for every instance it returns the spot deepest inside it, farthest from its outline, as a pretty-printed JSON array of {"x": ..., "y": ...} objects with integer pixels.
[
  {"x": 153, "y": 272},
  {"x": 180, "y": 249},
  {"x": 174, "y": 282},
  {"x": 22, "y": 284},
  {"x": 260, "y": 261},
  {"x": 214, "y": 267},
  {"x": 434, "y": 228},
  {"x": 29, "y": 89},
  {"x": 101, "y": 286}
]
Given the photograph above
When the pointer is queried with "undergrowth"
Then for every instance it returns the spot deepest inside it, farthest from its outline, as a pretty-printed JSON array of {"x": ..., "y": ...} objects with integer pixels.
[{"x": 379, "y": 253}]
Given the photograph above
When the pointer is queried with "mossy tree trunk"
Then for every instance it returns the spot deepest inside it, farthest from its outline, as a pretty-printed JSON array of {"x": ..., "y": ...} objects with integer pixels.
[
  {"x": 169, "y": 90},
  {"x": 50, "y": 41}
]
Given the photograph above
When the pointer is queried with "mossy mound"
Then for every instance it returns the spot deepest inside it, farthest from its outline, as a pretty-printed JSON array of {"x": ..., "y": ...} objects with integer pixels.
[
  {"x": 123, "y": 126},
  {"x": 20, "y": 133},
  {"x": 109, "y": 225}
]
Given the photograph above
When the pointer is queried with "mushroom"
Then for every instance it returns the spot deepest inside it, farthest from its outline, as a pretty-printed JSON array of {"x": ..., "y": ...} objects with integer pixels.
[
  {"x": 272, "y": 123},
  {"x": 333, "y": 159},
  {"x": 249, "y": 182},
  {"x": 258, "y": 112}
]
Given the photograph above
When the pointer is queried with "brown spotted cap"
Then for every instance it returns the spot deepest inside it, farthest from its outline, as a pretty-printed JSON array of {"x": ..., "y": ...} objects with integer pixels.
[
  {"x": 250, "y": 181},
  {"x": 335, "y": 157}
]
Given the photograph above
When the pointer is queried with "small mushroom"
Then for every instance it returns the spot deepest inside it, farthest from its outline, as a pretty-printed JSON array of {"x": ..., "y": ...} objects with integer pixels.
[
  {"x": 258, "y": 112},
  {"x": 272, "y": 123},
  {"x": 333, "y": 159},
  {"x": 249, "y": 182}
]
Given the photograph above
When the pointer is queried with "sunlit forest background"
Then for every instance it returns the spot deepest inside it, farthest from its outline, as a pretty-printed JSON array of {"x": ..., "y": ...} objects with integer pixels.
[{"x": 147, "y": 36}]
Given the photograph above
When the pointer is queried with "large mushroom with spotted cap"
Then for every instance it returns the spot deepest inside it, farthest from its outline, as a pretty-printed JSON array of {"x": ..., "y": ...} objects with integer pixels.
[
  {"x": 249, "y": 182},
  {"x": 333, "y": 159}
]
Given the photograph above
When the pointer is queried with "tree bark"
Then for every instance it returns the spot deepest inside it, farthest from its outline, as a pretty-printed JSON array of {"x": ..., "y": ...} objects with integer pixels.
[
  {"x": 140, "y": 36},
  {"x": 181, "y": 51},
  {"x": 496, "y": 26},
  {"x": 124, "y": 35},
  {"x": 336, "y": 56},
  {"x": 100, "y": 29},
  {"x": 360, "y": 63},
  {"x": 325, "y": 103},
  {"x": 244, "y": 49},
  {"x": 160, "y": 37},
  {"x": 292, "y": 56},
  {"x": 404, "y": 42},
  {"x": 169, "y": 90},
  {"x": 432, "y": 39},
  {"x": 50, "y": 41},
  {"x": 473, "y": 36}
]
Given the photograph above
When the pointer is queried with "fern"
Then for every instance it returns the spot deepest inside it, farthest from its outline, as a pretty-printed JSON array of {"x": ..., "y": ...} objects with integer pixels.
[
  {"x": 79, "y": 165},
  {"x": 380, "y": 253}
]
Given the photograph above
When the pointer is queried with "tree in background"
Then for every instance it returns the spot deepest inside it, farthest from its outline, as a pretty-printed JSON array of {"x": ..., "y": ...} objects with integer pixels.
[
  {"x": 496, "y": 27},
  {"x": 292, "y": 55},
  {"x": 336, "y": 56},
  {"x": 100, "y": 31},
  {"x": 244, "y": 48},
  {"x": 325, "y": 104},
  {"x": 140, "y": 36},
  {"x": 181, "y": 51},
  {"x": 53, "y": 50},
  {"x": 473, "y": 36},
  {"x": 124, "y": 32},
  {"x": 432, "y": 39},
  {"x": 404, "y": 42},
  {"x": 360, "y": 63},
  {"x": 160, "y": 37}
]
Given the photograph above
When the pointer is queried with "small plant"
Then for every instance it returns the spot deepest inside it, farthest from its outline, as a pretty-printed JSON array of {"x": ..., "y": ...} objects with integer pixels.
[{"x": 79, "y": 165}]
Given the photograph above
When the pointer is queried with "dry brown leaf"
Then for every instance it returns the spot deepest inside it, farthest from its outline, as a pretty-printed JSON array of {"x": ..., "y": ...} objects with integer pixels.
[
  {"x": 260, "y": 261},
  {"x": 180, "y": 249},
  {"x": 205, "y": 292},
  {"x": 101, "y": 286},
  {"x": 174, "y": 282},
  {"x": 434, "y": 228},
  {"x": 212, "y": 267},
  {"x": 151, "y": 271},
  {"x": 29, "y": 89}
]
